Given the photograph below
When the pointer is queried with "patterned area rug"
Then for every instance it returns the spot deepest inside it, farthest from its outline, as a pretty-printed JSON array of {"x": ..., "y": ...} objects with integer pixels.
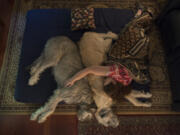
[
  {"x": 160, "y": 87},
  {"x": 134, "y": 125}
]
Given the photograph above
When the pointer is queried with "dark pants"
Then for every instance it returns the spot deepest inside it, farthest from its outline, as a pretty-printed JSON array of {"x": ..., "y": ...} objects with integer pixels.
[{"x": 169, "y": 25}]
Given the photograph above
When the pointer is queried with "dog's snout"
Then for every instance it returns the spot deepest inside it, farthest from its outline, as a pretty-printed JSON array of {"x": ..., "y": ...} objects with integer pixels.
[{"x": 114, "y": 122}]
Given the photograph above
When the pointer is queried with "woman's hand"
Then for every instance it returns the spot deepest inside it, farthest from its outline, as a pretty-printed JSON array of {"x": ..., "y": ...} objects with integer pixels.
[{"x": 69, "y": 83}]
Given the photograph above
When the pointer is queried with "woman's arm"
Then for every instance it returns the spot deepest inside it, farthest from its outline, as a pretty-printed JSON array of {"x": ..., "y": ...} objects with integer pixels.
[{"x": 95, "y": 70}]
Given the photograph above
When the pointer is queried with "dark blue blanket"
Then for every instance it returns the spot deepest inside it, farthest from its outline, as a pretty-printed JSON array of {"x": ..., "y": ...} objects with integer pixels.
[{"x": 44, "y": 24}]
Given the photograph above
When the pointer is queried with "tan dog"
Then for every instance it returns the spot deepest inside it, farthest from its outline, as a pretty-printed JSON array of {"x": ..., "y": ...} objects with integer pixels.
[{"x": 93, "y": 49}]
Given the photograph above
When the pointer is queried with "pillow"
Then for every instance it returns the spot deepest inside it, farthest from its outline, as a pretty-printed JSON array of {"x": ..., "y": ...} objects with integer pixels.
[{"x": 82, "y": 18}]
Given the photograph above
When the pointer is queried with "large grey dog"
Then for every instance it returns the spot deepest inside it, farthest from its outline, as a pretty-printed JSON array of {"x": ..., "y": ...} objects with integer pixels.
[{"x": 62, "y": 54}]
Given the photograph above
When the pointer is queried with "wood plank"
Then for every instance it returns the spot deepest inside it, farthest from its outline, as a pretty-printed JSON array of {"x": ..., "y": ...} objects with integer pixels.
[
  {"x": 6, "y": 7},
  {"x": 21, "y": 125}
]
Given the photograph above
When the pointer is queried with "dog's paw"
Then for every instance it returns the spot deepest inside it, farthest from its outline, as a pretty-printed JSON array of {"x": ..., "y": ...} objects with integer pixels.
[
  {"x": 44, "y": 115},
  {"x": 32, "y": 70},
  {"x": 112, "y": 35},
  {"x": 147, "y": 104},
  {"x": 85, "y": 116},
  {"x": 42, "y": 119},
  {"x": 140, "y": 94},
  {"x": 33, "y": 117},
  {"x": 33, "y": 80},
  {"x": 107, "y": 118}
]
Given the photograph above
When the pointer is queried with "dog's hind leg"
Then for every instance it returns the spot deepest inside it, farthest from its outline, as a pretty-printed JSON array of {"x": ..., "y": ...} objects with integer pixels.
[
  {"x": 36, "y": 65},
  {"x": 50, "y": 56},
  {"x": 42, "y": 65}
]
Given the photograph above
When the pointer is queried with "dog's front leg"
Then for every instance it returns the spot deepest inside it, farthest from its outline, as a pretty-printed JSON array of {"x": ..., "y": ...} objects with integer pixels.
[
  {"x": 101, "y": 99},
  {"x": 43, "y": 112},
  {"x": 103, "y": 103},
  {"x": 132, "y": 99}
]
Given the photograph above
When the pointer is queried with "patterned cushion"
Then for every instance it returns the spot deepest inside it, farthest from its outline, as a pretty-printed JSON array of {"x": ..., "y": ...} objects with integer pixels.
[{"x": 82, "y": 18}]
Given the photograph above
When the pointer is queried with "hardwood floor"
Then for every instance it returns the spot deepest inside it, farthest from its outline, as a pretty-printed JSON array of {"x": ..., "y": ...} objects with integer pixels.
[
  {"x": 6, "y": 7},
  {"x": 20, "y": 124}
]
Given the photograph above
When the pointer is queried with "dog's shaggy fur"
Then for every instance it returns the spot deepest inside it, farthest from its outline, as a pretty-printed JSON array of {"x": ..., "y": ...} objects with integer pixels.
[
  {"x": 61, "y": 54},
  {"x": 93, "y": 49}
]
